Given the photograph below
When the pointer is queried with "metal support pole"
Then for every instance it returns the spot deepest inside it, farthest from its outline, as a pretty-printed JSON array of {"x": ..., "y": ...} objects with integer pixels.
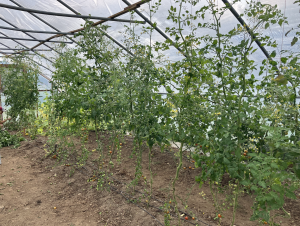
[
  {"x": 35, "y": 31},
  {"x": 30, "y": 59},
  {"x": 8, "y": 54},
  {"x": 36, "y": 40},
  {"x": 242, "y": 22},
  {"x": 126, "y": 10},
  {"x": 26, "y": 33},
  {"x": 155, "y": 27},
  {"x": 45, "y": 22},
  {"x": 107, "y": 35},
  {"x": 27, "y": 48},
  {"x": 1, "y": 116},
  {"x": 67, "y": 15}
]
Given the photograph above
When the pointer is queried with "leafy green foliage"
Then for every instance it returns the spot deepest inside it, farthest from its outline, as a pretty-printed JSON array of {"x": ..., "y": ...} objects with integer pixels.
[
  {"x": 295, "y": 38},
  {"x": 240, "y": 125},
  {"x": 20, "y": 88},
  {"x": 6, "y": 139}
]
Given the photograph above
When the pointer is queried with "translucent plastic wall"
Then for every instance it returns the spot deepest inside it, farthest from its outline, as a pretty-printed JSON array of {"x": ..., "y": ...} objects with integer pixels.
[{"x": 105, "y": 8}]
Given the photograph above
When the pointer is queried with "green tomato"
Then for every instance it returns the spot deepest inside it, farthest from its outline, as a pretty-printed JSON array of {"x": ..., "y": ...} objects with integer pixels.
[{"x": 277, "y": 181}]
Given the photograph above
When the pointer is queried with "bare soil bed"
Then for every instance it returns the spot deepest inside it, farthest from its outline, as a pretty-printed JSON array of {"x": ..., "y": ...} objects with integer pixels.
[{"x": 35, "y": 190}]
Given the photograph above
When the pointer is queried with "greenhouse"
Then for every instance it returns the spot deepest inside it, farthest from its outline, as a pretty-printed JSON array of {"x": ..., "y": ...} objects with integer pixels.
[{"x": 179, "y": 112}]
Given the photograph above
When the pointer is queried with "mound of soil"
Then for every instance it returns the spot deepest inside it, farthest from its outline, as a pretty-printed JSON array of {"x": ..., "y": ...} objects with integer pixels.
[{"x": 37, "y": 190}]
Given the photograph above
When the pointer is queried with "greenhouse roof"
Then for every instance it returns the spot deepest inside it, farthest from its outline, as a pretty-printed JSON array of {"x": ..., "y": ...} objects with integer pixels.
[{"x": 37, "y": 26}]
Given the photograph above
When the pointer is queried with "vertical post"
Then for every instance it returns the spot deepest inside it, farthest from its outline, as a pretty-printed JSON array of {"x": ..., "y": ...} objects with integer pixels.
[
  {"x": 37, "y": 104},
  {"x": 1, "y": 116},
  {"x": 1, "y": 119}
]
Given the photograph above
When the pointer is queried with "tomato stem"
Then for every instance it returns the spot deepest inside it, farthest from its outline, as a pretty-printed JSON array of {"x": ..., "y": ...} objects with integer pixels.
[
  {"x": 151, "y": 176},
  {"x": 235, "y": 202},
  {"x": 176, "y": 178}
]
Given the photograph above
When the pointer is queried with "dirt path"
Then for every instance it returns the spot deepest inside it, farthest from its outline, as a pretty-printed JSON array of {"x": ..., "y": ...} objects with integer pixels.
[{"x": 35, "y": 192}]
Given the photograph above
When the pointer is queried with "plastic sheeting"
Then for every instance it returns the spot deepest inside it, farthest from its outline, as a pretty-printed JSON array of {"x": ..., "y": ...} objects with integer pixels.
[{"x": 107, "y": 8}]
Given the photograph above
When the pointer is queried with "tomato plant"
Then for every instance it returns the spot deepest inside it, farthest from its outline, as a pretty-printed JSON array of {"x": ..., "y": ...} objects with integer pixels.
[
  {"x": 6, "y": 139},
  {"x": 20, "y": 87},
  {"x": 236, "y": 123}
]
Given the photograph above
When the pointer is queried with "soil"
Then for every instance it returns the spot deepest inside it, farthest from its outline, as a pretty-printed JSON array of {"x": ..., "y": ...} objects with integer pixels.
[{"x": 38, "y": 190}]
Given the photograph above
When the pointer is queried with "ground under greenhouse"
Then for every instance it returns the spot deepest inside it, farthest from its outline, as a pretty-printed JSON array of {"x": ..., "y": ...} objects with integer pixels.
[{"x": 35, "y": 190}]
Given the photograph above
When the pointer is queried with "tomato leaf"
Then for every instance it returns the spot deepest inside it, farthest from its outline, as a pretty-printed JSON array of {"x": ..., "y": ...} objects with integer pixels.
[{"x": 295, "y": 39}]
